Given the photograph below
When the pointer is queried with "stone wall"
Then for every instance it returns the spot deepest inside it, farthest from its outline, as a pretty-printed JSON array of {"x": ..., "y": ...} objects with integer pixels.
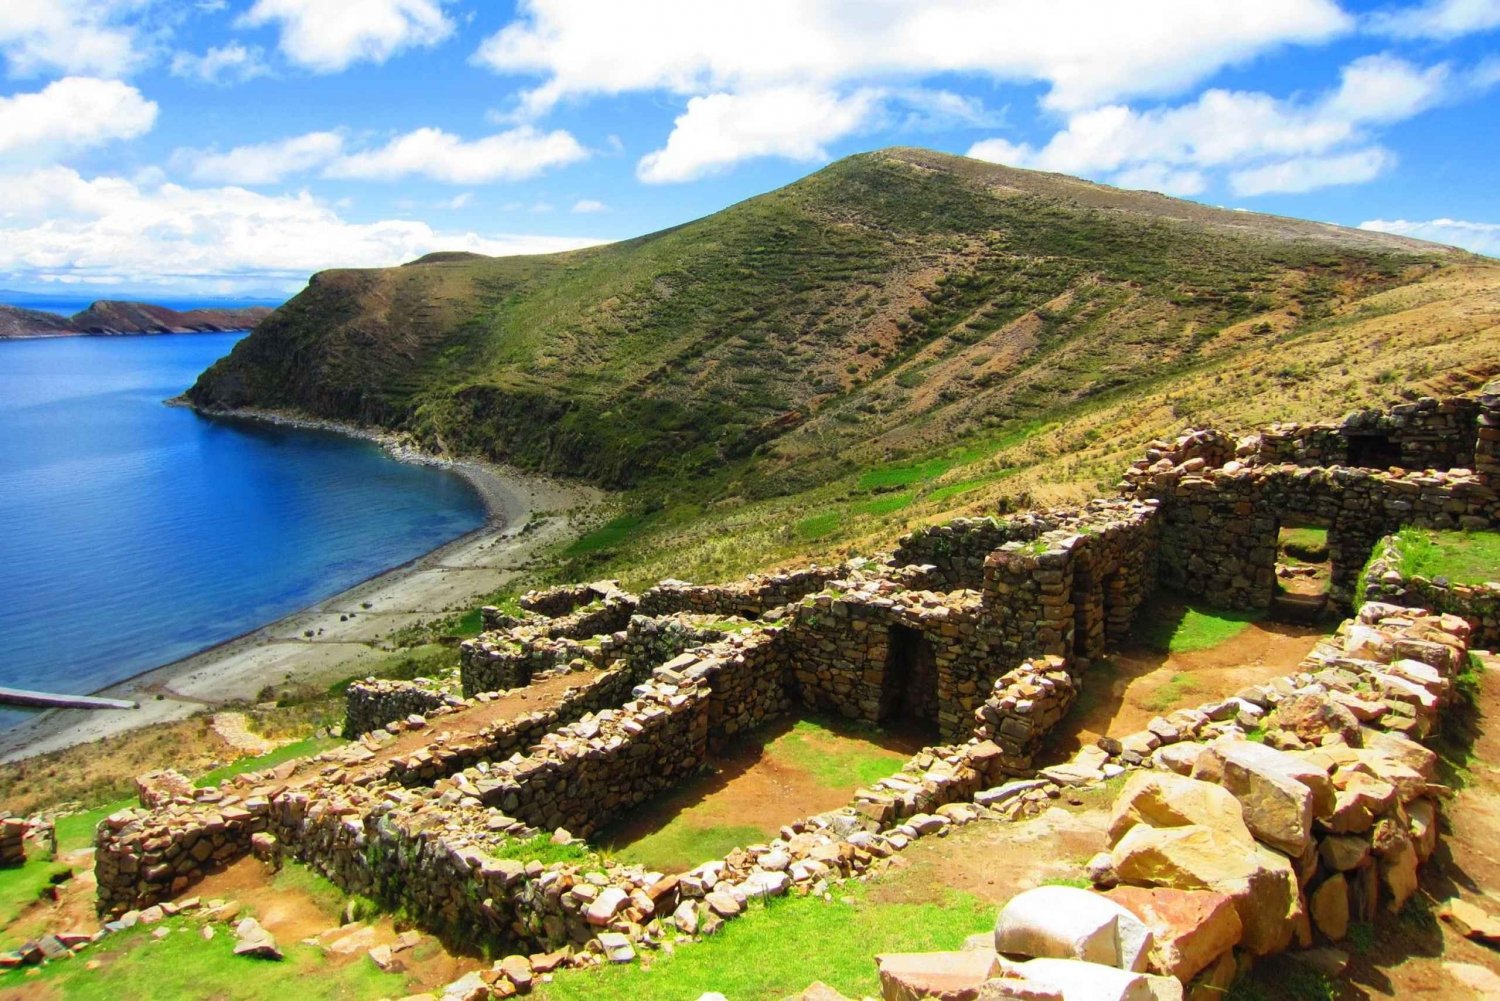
[
  {"x": 1478, "y": 604},
  {"x": 1220, "y": 526},
  {"x": 1426, "y": 434},
  {"x": 372, "y": 703},
  {"x": 12, "y": 842},
  {"x": 556, "y": 602},
  {"x": 746, "y": 678},
  {"x": 1023, "y": 709},
  {"x": 495, "y": 662},
  {"x": 750, "y": 598},
  {"x": 957, "y": 550}
]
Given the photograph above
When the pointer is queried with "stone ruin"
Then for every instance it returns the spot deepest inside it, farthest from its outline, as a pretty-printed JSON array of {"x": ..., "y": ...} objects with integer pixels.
[{"x": 978, "y": 631}]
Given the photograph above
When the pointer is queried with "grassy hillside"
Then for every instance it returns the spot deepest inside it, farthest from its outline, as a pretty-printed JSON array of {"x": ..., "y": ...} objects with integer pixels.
[{"x": 891, "y": 304}]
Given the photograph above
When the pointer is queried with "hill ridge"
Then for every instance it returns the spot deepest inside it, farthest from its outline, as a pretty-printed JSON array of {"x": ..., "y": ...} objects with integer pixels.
[
  {"x": 889, "y": 303},
  {"x": 121, "y": 316}
]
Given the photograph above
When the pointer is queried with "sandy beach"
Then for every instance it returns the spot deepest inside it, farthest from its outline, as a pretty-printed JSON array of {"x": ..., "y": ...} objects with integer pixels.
[{"x": 336, "y": 637}]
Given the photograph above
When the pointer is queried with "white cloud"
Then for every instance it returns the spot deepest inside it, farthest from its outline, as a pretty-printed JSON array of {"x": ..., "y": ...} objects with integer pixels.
[
  {"x": 70, "y": 114},
  {"x": 1480, "y": 237},
  {"x": 458, "y": 201},
  {"x": 721, "y": 129},
  {"x": 441, "y": 156},
  {"x": 232, "y": 63},
  {"x": 1168, "y": 181},
  {"x": 68, "y": 36},
  {"x": 1086, "y": 52},
  {"x": 1440, "y": 19},
  {"x": 327, "y": 36},
  {"x": 585, "y": 206},
  {"x": 1261, "y": 138},
  {"x": 55, "y": 225},
  {"x": 1307, "y": 173},
  {"x": 261, "y": 163}
]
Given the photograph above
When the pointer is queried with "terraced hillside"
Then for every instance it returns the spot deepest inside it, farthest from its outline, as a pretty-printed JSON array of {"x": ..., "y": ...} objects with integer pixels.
[{"x": 892, "y": 305}]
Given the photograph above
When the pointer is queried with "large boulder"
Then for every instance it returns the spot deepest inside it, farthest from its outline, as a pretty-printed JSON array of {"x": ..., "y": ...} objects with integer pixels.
[
  {"x": 1313, "y": 716},
  {"x": 1261, "y": 882},
  {"x": 946, "y": 976},
  {"x": 1063, "y": 922},
  {"x": 1382, "y": 744},
  {"x": 1190, "y": 929},
  {"x": 1164, "y": 799},
  {"x": 1278, "y": 806}
]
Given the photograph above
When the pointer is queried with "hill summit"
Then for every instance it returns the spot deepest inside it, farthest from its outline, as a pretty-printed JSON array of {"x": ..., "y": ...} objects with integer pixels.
[{"x": 892, "y": 302}]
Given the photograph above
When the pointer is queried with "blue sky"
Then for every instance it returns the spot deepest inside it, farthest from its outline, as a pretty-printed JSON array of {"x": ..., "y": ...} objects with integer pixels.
[{"x": 235, "y": 146}]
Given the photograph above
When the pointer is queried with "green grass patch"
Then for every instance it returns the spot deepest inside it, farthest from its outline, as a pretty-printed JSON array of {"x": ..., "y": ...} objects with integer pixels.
[
  {"x": 306, "y": 747},
  {"x": 183, "y": 967},
  {"x": 20, "y": 886},
  {"x": 890, "y": 477},
  {"x": 778, "y": 949},
  {"x": 1171, "y": 694},
  {"x": 818, "y": 526},
  {"x": 837, "y": 762},
  {"x": 1461, "y": 557},
  {"x": 887, "y": 504},
  {"x": 1076, "y": 882},
  {"x": 1184, "y": 628},
  {"x": 607, "y": 536},
  {"x": 1309, "y": 544},
  {"x": 680, "y": 845},
  {"x": 539, "y": 847}
]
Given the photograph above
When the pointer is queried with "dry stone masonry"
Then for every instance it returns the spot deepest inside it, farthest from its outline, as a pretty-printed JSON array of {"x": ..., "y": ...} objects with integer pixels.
[{"x": 1269, "y": 819}]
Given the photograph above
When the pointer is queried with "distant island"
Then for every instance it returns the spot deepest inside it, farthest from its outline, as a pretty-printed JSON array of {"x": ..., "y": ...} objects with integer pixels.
[{"x": 109, "y": 317}]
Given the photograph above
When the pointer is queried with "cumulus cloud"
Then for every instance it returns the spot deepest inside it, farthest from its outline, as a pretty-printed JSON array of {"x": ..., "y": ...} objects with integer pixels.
[
  {"x": 1266, "y": 144},
  {"x": 1086, "y": 52},
  {"x": 69, "y": 36},
  {"x": 721, "y": 129},
  {"x": 71, "y": 114},
  {"x": 261, "y": 163},
  {"x": 56, "y": 225},
  {"x": 1439, "y": 19},
  {"x": 441, "y": 156},
  {"x": 327, "y": 36},
  {"x": 1480, "y": 237},
  {"x": 232, "y": 63},
  {"x": 1308, "y": 173}
]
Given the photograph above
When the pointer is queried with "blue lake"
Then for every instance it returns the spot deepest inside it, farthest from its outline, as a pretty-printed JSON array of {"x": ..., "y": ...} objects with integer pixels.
[{"x": 133, "y": 534}]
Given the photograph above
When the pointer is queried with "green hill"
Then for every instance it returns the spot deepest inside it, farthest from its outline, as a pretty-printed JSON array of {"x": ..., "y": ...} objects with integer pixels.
[{"x": 889, "y": 305}]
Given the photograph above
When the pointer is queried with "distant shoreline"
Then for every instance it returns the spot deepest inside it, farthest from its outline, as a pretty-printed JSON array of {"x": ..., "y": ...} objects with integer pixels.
[
  {"x": 49, "y": 335},
  {"x": 346, "y": 626}
]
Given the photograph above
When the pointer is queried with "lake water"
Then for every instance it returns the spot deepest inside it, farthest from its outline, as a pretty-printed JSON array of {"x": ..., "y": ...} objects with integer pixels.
[{"x": 133, "y": 534}]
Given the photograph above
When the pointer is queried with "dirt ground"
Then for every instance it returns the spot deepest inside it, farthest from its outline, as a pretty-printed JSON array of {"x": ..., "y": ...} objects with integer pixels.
[
  {"x": 995, "y": 861},
  {"x": 1137, "y": 684},
  {"x": 764, "y": 782}
]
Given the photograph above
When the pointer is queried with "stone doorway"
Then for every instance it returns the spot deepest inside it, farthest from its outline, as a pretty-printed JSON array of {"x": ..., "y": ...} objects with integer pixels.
[
  {"x": 1373, "y": 451},
  {"x": 909, "y": 695}
]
